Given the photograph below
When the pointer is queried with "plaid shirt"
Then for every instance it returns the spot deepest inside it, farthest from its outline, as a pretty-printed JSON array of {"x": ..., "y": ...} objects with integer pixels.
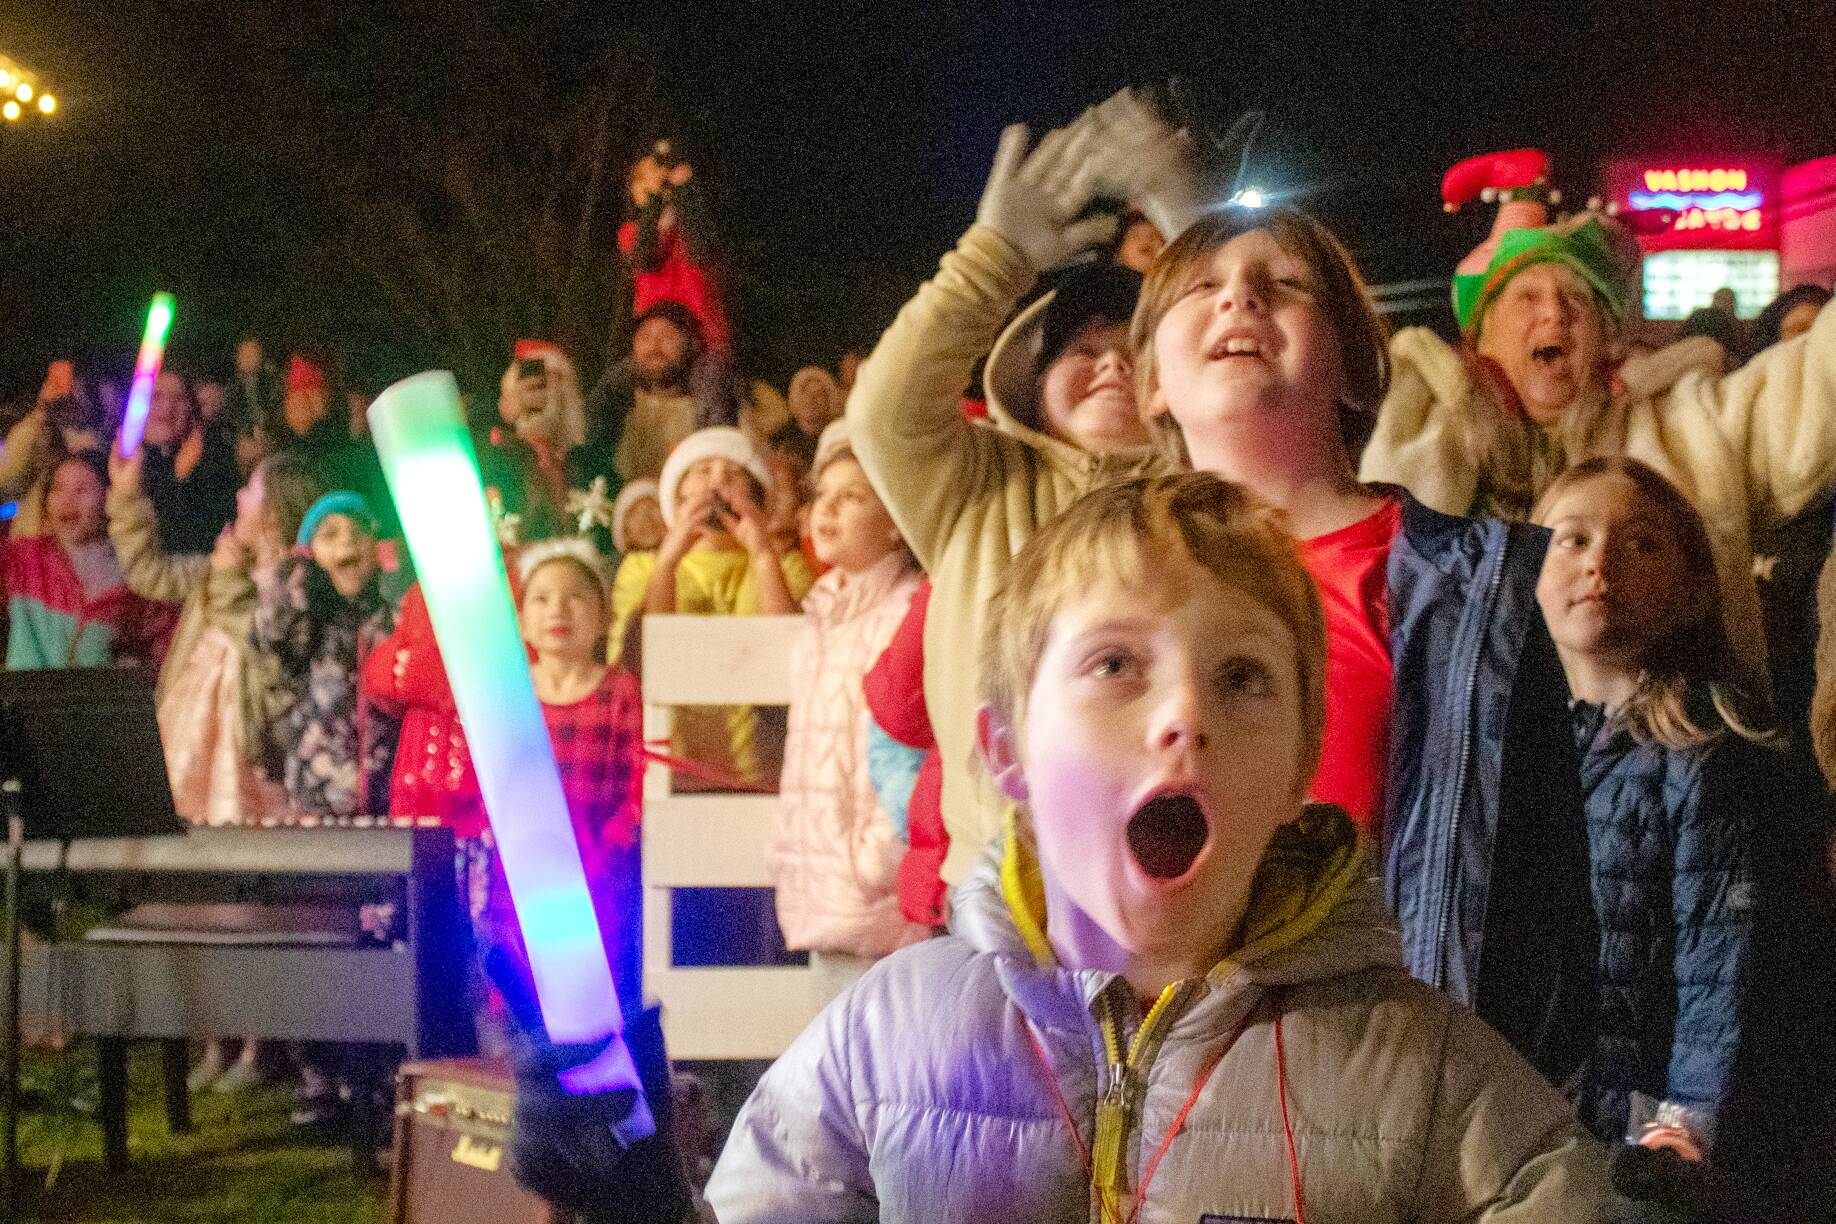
[{"x": 599, "y": 745}]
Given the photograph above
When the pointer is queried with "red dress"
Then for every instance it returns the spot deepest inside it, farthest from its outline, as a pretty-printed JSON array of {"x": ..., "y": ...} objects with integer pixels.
[
  {"x": 599, "y": 746},
  {"x": 433, "y": 775}
]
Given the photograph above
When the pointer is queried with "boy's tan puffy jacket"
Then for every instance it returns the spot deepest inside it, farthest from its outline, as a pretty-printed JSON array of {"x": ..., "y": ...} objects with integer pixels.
[
  {"x": 966, "y": 496},
  {"x": 1749, "y": 448},
  {"x": 919, "y": 1096}
]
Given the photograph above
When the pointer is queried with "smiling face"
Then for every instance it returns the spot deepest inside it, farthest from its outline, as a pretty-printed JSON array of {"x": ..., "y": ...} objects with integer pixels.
[
  {"x": 1613, "y": 583},
  {"x": 1547, "y": 332},
  {"x": 812, "y": 403},
  {"x": 564, "y": 613},
  {"x": 346, "y": 551},
  {"x": 1158, "y": 752},
  {"x": 73, "y": 503},
  {"x": 849, "y": 525},
  {"x": 1087, "y": 393},
  {"x": 1246, "y": 346}
]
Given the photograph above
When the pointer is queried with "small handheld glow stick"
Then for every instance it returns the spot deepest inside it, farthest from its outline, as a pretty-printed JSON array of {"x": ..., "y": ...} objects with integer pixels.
[
  {"x": 432, "y": 472},
  {"x": 146, "y": 373}
]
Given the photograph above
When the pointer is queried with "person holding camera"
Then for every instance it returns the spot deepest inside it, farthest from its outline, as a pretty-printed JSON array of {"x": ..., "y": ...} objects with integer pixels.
[{"x": 668, "y": 244}]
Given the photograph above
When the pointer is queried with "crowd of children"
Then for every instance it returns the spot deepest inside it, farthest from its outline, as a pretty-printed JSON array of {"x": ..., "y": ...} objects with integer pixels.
[{"x": 1241, "y": 765}]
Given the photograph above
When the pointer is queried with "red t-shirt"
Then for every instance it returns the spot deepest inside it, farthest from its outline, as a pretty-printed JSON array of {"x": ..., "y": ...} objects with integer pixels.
[{"x": 1351, "y": 566}]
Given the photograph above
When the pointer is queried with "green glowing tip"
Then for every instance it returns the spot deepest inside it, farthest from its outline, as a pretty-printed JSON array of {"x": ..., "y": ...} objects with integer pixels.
[{"x": 159, "y": 317}]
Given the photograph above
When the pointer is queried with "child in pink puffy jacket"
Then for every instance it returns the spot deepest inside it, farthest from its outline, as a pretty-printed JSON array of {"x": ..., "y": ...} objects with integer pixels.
[{"x": 835, "y": 854}]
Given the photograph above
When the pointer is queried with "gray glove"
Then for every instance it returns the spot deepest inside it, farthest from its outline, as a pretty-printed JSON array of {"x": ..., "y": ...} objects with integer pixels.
[
  {"x": 1170, "y": 172},
  {"x": 1035, "y": 200}
]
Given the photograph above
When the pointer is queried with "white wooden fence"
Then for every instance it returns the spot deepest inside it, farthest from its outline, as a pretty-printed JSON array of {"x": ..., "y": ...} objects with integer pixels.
[{"x": 713, "y": 841}]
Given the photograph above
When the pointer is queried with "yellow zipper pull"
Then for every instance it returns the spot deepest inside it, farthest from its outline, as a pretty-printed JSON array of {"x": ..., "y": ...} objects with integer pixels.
[{"x": 1106, "y": 1153}]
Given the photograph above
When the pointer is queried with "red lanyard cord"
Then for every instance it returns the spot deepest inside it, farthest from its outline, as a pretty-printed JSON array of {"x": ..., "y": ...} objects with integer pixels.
[
  {"x": 1179, "y": 1119},
  {"x": 725, "y": 779},
  {"x": 1287, "y": 1127}
]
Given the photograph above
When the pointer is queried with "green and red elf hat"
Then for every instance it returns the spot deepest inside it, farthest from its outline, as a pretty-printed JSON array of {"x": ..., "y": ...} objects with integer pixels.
[{"x": 1593, "y": 244}]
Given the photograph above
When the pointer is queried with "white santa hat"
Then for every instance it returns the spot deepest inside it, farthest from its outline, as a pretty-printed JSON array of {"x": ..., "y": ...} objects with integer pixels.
[
  {"x": 715, "y": 442},
  {"x": 578, "y": 549},
  {"x": 628, "y": 498}
]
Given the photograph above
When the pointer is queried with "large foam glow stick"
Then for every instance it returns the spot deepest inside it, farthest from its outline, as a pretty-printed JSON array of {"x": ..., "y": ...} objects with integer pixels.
[
  {"x": 146, "y": 373},
  {"x": 432, "y": 472}
]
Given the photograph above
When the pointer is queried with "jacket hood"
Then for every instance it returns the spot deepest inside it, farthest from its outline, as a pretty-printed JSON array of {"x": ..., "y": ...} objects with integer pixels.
[
  {"x": 1012, "y": 384},
  {"x": 1315, "y": 911}
]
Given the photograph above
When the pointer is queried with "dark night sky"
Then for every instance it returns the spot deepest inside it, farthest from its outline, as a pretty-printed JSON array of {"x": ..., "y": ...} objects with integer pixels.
[{"x": 848, "y": 141}]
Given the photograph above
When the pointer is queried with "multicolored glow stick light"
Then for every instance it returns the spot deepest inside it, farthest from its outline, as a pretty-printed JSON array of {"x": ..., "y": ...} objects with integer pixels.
[
  {"x": 432, "y": 471},
  {"x": 146, "y": 373}
]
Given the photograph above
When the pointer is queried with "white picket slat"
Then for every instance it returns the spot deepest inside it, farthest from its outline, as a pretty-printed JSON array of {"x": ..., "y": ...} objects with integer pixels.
[
  {"x": 714, "y": 841},
  {"x": 718, "y": 660},
  {"x": 708, "y": 841}
]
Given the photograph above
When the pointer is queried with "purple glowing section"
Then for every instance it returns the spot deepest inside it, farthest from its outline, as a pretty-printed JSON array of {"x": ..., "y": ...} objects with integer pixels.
[
  {"x": 433, "y": 474},
  {"x": 146, "y": 373}
]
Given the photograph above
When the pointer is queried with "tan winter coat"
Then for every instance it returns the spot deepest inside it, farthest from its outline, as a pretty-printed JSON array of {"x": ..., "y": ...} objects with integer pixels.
[
  {"x": 210, "y": 597},
  {"x": 965, "y": 495},
  {"x": 919, "y": 1096},
  {"x": 834, "y": 855},
  {"x": 1750, "y": 449}
]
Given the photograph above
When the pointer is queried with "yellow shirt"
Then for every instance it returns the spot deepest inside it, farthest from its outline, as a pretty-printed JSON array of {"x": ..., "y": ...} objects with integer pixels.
[{"x": 707, "y": 584}]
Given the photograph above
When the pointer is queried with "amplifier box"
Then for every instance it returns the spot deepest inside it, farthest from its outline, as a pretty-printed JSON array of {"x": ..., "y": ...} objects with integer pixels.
[{"x": 452, "y": 1132}]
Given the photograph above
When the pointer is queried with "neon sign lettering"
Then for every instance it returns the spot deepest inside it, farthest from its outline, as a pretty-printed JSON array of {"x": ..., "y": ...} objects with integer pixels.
[
  {"x": 1695, "y": 180},
  {"x": 1712, "y": 198}
]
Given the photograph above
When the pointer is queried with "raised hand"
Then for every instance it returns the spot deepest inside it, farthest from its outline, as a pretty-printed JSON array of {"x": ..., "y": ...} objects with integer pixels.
[
  {"x": 229, "y": 554},
  {"x": 690, "y": 522},
  {"x": 1035, "y": 200},
  {"x": 124, "y": 471},
  {"x": 1169, "y": 172},
  {"x": 744, "y": 518}
]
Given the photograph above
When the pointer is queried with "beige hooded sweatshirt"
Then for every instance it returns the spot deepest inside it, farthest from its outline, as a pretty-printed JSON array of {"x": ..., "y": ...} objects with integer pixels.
[{"x": 965, "y": 494}]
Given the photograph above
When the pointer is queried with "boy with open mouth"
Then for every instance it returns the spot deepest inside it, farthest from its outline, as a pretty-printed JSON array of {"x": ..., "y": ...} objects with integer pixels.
[{"x": 1172, "y": 992}]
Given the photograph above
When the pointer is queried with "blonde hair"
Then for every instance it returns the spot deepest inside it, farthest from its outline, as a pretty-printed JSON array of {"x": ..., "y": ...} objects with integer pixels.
[
  {"x": 1514, "y": 459},
  {"x": 1128, "y": 532},
  {"x": 1364, "y": 350},
  {"x": 1689, "y": 692}
]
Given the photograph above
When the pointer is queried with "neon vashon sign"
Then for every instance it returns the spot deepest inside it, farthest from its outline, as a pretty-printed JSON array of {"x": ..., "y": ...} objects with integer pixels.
[{"x": 1719, "y": 198}]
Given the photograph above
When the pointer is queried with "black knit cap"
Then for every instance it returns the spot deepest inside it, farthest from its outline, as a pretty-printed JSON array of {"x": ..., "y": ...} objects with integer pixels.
[{"x": 1105, "y": 291}]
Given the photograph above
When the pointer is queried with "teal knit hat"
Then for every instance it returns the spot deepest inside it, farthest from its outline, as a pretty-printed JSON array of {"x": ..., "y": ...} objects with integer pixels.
[
  {"x": 351, "y": 505},
  {"x": 1599, "y": 250}
]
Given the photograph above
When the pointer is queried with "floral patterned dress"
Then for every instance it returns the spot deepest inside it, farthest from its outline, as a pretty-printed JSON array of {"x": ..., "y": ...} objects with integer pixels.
[{"x": 335, "y": 747}]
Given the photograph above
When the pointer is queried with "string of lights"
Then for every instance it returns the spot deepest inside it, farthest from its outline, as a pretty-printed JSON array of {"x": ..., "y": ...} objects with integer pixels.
[{"x": 25, "y": 97}]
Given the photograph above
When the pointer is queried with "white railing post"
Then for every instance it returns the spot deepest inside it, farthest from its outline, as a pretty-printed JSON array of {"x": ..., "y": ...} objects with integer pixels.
[{"x": 713, "y": 840}]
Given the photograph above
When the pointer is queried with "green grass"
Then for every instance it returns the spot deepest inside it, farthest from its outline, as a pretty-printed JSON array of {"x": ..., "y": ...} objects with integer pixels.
[{"x": 243, "y": 1161}]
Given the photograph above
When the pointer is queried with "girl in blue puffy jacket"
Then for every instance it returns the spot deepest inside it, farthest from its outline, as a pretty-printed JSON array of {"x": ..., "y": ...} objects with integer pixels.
[{"x": 1693, "y": 824}]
